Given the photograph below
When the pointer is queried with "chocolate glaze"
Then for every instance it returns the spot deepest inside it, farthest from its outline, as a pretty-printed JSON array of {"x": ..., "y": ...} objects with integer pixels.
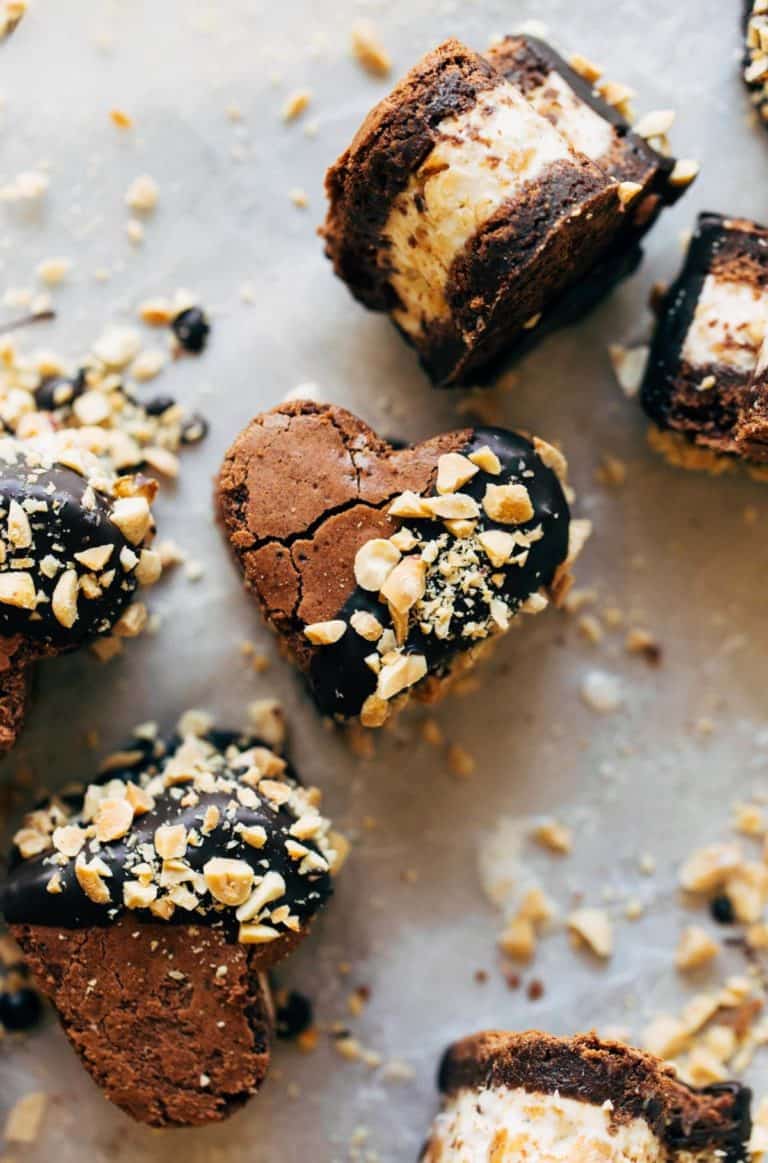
[
  {"x": 339, "y": 676},
  {"x": 668, "y": 393},
  {"x": 24, "y": 899},
  {"x": 65, "y": 528}
]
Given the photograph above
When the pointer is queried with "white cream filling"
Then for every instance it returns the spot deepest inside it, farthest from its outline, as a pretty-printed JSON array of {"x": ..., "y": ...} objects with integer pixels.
[
  {"x": 584, "y": 129},
  {"x": 729, "y": 325},
  {"x": 501, "y": 1125},
  {"x": 482, "y": 159}
]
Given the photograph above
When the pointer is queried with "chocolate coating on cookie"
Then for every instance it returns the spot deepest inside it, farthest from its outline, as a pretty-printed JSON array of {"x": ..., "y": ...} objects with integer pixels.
[
  {"x": 212, "y": 830},
  {"x": 340, "y": 676},
  {"x": 63, "y": 575}
]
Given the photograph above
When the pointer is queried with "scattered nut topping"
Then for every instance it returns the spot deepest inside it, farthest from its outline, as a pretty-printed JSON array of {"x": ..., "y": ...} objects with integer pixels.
[
  {"x": 592, "y": 927},
  {"x": 325, "y": 633},
  {"x": 142, "y": 194},
  {"x": 696, "y": 948},
  {"x": 554, "y": 836},
  {"x": 296, "y": 104},
  {"x": 509, "y": 504},
  {"x": 369, "y": 51}
]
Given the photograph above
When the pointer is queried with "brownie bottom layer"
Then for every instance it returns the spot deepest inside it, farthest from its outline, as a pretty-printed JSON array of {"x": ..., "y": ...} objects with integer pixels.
[{"x": 171, "y": 1021}]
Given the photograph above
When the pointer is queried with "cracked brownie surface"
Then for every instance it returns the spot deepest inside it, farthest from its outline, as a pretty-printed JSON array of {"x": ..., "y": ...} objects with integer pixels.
[{"x": 379, "y": 565}]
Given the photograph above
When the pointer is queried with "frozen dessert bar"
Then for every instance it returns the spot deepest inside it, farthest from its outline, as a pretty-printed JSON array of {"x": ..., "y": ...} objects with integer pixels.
[
  {"x": 150, "y": 904},
  {"x": 385, "y": 571},
  {"x": 705, "y": 387},
  {"x": 466, "y": 210},
  {"x": 511, "y": 1098}
]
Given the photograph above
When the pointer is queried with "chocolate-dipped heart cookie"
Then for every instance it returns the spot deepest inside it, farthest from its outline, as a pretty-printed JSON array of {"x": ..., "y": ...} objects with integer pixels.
[
  {"x": 385, "y": 571},
  {"x": 74, "y": 549},
  {"x": 150, "y": 904}
]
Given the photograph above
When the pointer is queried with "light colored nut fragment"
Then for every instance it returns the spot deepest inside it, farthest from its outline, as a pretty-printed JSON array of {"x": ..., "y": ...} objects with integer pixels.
[
  {"x": 374, "y": 711},
  {"x": 409, "y": 504},
  {"x": 695, "y": 948},
  {"x": 229, "y": 881},
  {"x": 405, "y": 584},
  {"x": 396, "y": 676},
  {"x": 487, "y": 460},
  {"x": 25, "y": 1117},
  {"x": 254, "y": 837},
  {"x": 453, "y": 471},
  {"x": 296, "y": 104},
  {"x": 270, "y": 888},
  {"x": 666, "y": 1037},
  {"x": 536, "y": 906},
  {"x": 374, "y": 561},
  {"x": 90, "y": 876},
  {"x": 554, "y": 836},
  {"x": 17, "y": 588},
  {"x": 686, "y": 170},
  {"x": 585, "y": 68},
  {"x": 257, "y": 934},
  {"x": 113, "y": 819},
  {"x": 592, "y": 927},
  {"x": 137, "y": 895},
  {"x": 655, "y": 124},
  {"x": 628, "y": 191},
  {"x": 629, "y": 364},
  {"x": 498, "y": 546},
  {"x": 268, "y": 720},
  {"x": 142, "y": 194},
  {"x": 150, "y": 567},
  {"x": 709, "y": 868},
  {"x": 369, "y": 51},
  {"x": 139, "y": 799},
  {"x": 552, "y": 457},
  {"x": 366, "y": 625},
  {"x": 69, "y": 839},
  {"x": 453, "y": 507},
  {"x": 171, "y": 841},
  {"x": 510, "y": 504},
  {"x": 325, "y": 633},
  {"x": 132, "y": 516},
  {"x": 96, "y": 557},
  {"x": 64, "y": 599},
  {"x": 19, "y": 529},
  {"x": 518, "y": 940}
]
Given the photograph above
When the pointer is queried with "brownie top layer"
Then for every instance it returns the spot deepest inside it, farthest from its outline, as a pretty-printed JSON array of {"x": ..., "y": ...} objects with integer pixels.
[
  {"x": 547, "y": 80},
  {"x": 210, "y": 828},
  {"x": 596, "y": 1071},
  {"x": 73, "y": 544},
  {"x": 388, "y": 557}
]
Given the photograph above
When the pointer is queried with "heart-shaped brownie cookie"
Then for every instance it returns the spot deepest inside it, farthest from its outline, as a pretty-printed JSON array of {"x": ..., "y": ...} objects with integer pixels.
[
  {"x": 150, "y": 904},
  {"x": 385, "y": 570}
]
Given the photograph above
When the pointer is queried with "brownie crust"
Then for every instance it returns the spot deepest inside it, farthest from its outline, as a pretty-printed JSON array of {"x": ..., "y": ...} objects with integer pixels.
[
  {"x": 15, "y": 688},
  {"x": 596, "y": 1071},
  {"x": 173, "y": 1023}
]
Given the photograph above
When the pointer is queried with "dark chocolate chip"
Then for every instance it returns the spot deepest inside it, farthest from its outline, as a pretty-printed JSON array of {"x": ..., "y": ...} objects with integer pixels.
[
  {"x": 20, "y": 1009},
  {"x": 721, "y": 909},
  {"x": 191, "y": 328},
  {"x": 158, "y": 405},
  {"x": 194, "y": 429},
  {"x": 59, "y": 391},
  {"x": 294, "y": 1014}
]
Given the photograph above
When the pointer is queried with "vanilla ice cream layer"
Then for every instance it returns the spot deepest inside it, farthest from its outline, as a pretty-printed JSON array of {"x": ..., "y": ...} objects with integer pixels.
[
  {"x": 481, "y": 160},
  {"x": 584, "y": 129},
  {"x": 729, "y": 325},
  {"x": 502, "y": 1125}
]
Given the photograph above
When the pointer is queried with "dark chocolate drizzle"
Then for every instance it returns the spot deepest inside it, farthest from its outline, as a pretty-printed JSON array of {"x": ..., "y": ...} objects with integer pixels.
[
  {"x": 67, "y": 526},
  {"x": 660, "y": 390},
  {"x": 339, "y": 676},
  {"x": 25, "y": 900}
]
